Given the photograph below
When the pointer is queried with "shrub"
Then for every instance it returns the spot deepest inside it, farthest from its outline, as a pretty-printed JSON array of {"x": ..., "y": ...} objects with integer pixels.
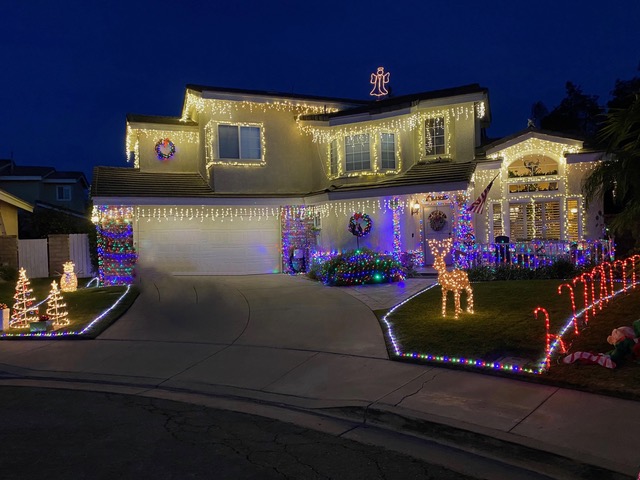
[
  {"x": 561, "y": 268},
  {"x": 356, "y": 267},
  {"x": 481, "y": 273},
  {"x": 8, "y": 274}
]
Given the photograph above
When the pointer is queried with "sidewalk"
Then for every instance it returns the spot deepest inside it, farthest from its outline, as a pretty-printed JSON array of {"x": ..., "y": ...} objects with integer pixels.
[{"x": 591, "y": 436}]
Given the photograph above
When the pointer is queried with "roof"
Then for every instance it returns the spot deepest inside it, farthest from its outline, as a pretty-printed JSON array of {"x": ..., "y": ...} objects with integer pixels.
[
  {"x": 397, "y": 103},
  {"x": 269, "y": 93},
  {"x": 531, "y": 131},
  {"x": 78, "y": 176},
  {"x": 133, "y": 117},
  {"x": 9, "y": 169},
  {"x": 131, "y": 182},
  {"x": 423, "y": 174},
  {"x": 15, "y": 201}
]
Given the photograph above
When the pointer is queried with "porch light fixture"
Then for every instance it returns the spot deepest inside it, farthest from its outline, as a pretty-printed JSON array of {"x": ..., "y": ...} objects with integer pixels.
[{"x": 415, "y": 207}]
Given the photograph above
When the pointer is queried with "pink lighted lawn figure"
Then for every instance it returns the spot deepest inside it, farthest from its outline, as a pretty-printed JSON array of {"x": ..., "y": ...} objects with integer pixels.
[{"x": 454, "y": 281}]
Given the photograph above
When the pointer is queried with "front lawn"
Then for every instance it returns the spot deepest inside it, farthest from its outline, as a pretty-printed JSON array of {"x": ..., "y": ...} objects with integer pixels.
[
  {"x": 504, "y": 331},
  {"x": 84, "y": 305}
]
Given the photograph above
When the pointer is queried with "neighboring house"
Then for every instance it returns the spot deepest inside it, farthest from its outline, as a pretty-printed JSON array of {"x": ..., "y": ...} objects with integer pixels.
[
  {"x": 252, "y": 182},
  {"x": 9, "y": 206},
  {"x": 68, "y": 190}
]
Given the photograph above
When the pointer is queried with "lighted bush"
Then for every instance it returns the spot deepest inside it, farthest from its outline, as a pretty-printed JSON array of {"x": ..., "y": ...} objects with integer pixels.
[{"x": 356, "y": 267}]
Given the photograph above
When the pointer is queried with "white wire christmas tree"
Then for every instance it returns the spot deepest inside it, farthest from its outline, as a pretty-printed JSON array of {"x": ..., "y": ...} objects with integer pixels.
[
  {"x": 56, "y": 308},
  {"x": 24, "y": 309}
]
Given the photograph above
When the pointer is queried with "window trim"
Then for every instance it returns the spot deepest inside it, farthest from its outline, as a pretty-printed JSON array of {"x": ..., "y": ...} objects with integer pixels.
[
  {"x": 446, "y": 126},
  {"x": 369, "y": 153},
  {"x": 212, "y": 146},
  {"x": 395, "y": 151},
  {"x": 375, "y": 154},
  {"x": 66, "y": 189}
]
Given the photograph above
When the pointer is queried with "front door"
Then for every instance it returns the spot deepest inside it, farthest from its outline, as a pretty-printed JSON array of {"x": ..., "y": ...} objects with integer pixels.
[{"x": 438, "y": 224}]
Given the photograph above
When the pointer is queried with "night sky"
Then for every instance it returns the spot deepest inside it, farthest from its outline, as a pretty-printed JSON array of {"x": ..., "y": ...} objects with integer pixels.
[{"x": 72, "y": 70}]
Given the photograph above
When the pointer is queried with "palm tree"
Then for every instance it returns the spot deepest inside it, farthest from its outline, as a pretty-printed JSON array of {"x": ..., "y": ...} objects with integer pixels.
[{"x": 619, "y": 172}]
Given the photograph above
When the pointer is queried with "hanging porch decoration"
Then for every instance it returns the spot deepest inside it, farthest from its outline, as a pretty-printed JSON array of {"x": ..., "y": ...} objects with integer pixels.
[{"x": 437, "y": 220}]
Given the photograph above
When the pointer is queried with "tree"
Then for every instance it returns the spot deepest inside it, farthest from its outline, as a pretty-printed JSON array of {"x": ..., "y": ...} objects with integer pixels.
[
  {"x": 56, "y": 308},
  {"x": 619, "y": 172},
  {"x": 24, "y": 308},
  {"x": 577, "y": 114}
]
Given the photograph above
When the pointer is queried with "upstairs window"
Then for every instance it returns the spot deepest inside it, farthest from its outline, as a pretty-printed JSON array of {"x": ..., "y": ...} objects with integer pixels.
[
  {"x": 388, "y": 151},
  {"x": 357, "y": 153},
  {"x": 63, "y": 193},
  {"x": 239, "y": 142},
  {"x": 333, "y": 158},
  {"x": 434, "y": 135}
]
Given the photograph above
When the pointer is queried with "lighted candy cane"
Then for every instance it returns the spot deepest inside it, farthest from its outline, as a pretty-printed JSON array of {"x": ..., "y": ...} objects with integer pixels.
[
  {"x": 623, "y": 266},
  {"x": 573, "y": 305},
  {"x": 610, "y": 268},
  {"x": 549, "y": 336},
  {"x": 603, "y": 285},
  {"x": 633, "y": 270},
  {"x": 582, "y": 279}
]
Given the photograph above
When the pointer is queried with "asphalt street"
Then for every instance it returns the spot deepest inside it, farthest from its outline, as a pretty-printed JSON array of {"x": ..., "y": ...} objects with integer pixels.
[{"x": 62, "y": 434}]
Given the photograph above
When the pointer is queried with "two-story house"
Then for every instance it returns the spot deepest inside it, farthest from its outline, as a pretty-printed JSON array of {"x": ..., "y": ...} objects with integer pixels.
[{"x": 247, "y": 181}]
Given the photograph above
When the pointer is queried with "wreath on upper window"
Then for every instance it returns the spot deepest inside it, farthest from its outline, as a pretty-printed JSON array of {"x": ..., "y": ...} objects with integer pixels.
[
  {"x": 437, "y": 220},
  {"x": 360, "y": 224},
  {"x": 165, "y": 149}
]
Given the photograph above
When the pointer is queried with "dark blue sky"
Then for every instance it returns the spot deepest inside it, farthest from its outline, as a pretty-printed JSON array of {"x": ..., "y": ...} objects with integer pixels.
[{"x": 72, "y": 70}]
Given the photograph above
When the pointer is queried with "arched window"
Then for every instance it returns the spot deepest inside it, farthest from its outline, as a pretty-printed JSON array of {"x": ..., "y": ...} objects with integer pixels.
[{"x": 532, "y": 166}]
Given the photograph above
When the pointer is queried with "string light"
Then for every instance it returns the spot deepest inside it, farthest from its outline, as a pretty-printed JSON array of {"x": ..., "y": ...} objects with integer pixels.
[
  {"x": 454, "y": 281},
  {"x": 24, "y": 310},
  {"x": 210, "y": 133},
  {"x": 56, "y": 308},
  {"x": 85, "y": 330},
  {"x": 135, "y": 135},
  {"x": 116, "y": 253},
  {"x": 549, "y": 336},
  {"x": 582, "y": 278},
  {"x": 379, "y": 80},
  {"x": 573, "y": 305},
  {"x": 69, "y": 280},
  {"x": 397, "y": 240}
]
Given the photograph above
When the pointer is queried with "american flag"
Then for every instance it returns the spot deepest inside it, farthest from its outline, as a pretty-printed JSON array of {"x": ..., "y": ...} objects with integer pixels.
[{"x": 478, "y": 205}]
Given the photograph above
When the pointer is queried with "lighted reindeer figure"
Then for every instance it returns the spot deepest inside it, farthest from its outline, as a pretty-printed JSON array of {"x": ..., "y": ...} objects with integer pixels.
[{"x": 454, "y": 281}]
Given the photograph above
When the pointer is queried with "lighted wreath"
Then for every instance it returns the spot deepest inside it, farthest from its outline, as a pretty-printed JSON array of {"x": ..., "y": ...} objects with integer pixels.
[
  {"x": 360, "y": 224},
  {"x": 165, "y": 149},
  {"x": 437, "y": 220}
]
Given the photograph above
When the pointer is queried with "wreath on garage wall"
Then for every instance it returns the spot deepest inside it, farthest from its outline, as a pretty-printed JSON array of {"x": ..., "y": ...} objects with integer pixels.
[{"x": 360, "y": 224}]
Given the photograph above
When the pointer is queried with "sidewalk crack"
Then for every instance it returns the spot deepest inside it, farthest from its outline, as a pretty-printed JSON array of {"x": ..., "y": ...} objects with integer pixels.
[
  {"x": 418, "y": 389},
  {"x": 534, "y": 410}
]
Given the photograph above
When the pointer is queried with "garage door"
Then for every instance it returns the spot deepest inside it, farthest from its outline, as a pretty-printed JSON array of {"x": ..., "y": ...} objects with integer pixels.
[{"x": 210, "y": 248}]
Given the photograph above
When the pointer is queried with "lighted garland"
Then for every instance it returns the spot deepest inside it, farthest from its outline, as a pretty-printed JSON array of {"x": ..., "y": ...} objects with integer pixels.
[
  {"x": 360, "y": 224},
  {"x": 161, "y": 149},
  {"x": 437, "y": 220}
]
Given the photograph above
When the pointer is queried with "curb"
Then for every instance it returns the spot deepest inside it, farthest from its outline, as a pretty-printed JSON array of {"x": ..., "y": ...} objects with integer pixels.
[{"x": 507, "y": 448}]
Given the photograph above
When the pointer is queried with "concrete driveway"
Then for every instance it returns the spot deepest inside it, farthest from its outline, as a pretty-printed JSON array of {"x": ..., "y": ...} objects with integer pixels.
[{"x": 275, "y": 311}]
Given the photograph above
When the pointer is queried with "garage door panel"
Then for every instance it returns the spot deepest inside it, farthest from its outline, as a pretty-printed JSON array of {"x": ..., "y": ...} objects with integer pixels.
[{"x": 222, "y": 248}]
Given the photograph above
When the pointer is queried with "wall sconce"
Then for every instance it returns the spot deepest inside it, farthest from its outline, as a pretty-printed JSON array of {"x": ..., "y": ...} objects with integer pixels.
[{"x": 415, "y": 207}]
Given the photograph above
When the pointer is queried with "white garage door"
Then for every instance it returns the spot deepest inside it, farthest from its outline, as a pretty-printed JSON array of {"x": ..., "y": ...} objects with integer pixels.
[{"x": 210, "y": 248}]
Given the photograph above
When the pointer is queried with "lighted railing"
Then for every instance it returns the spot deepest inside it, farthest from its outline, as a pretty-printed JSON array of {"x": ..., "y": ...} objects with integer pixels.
[{"x": 538, "y": 253}]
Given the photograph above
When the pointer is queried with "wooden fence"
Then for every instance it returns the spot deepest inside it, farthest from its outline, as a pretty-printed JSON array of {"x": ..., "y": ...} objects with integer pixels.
[{"x": 44, "y": 257}]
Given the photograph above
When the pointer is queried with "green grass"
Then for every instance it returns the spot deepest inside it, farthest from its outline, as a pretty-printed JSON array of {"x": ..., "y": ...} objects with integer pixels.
[
  {"x": 83, "y": 305},
  {"x": 504, "y": 327}
]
